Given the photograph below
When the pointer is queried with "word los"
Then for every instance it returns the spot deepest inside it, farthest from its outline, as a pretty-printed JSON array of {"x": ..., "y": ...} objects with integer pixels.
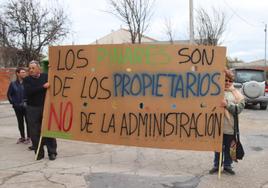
[
  {"x": 156, "y": 125},
  {"x": 94, "y": 88},
  {"x": 72, "y": 59},
  {"x": 178, "y": 85}
]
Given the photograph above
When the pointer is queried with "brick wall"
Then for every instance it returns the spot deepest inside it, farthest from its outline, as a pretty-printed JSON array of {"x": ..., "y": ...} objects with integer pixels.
[{"x": 6, "y": 76}]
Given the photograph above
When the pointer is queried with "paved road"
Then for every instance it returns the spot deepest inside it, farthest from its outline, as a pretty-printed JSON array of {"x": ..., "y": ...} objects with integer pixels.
[{"x": 81, "y": 164}]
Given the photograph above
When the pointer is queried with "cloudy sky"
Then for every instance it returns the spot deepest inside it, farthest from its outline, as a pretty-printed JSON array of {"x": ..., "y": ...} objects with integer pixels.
[{"x": 244, "y": 37}]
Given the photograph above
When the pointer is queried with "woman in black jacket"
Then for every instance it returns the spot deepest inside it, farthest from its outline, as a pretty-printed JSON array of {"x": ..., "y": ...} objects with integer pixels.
[{"x": 15, "y": 95}]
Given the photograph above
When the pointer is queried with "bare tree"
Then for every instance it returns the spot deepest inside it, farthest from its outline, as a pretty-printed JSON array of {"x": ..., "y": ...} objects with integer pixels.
[
  {"x": 169, "y": 30},
  {"x": 135, "y": 14},
  {"x": 29, "y": 27},
  {"x": 209, "y": 29}
]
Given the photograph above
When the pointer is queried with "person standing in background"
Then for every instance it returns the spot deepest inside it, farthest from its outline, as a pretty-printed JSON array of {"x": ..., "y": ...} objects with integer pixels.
[
  {"x": 15, "y": 95},
  {"x": 36, "y": 86}
]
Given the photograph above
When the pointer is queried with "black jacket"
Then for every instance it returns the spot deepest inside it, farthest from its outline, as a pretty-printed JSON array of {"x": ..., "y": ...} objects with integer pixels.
[
  {"x": 35, "y": 93},
  {"x": 15, "y": 93}
]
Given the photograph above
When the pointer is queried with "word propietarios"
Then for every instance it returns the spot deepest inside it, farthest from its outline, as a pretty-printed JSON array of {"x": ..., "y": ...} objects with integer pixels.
[
  {"x": 162, "y": 96},
  {"x": 179, "y": 85}
]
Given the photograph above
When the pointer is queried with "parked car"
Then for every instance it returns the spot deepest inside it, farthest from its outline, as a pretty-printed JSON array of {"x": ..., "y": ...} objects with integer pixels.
[{"x": 252, "y": 84}]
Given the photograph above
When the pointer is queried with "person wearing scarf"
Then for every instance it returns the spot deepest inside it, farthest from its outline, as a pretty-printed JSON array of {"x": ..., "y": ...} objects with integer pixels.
[{"x": 232, "y": 98}]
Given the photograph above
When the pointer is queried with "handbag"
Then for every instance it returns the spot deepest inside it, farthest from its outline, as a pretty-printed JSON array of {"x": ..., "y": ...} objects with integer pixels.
[{"x": 236, "y": 148}]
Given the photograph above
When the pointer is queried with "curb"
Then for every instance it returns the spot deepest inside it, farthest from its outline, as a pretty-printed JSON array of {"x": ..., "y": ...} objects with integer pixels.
[{"x": 4, "y": 102}]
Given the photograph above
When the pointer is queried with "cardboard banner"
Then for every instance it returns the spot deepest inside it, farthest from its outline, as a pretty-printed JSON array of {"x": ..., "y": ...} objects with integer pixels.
[{"x": 161, "y": 96}]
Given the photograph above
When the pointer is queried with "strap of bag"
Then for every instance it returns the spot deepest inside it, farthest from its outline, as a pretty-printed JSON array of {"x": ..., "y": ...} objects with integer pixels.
[{"x": 236, "y": 125}]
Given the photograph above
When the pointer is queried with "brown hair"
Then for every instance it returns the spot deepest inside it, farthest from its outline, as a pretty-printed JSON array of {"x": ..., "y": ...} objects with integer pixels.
[
  {"x": 229, "y": 75},
  {"x": 19, "y": 69}
]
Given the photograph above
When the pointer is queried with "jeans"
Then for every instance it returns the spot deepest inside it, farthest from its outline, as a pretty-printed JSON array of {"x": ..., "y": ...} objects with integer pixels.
[
  {"x": 227, "y": 161},
  {"x": 21, "y": 116}
]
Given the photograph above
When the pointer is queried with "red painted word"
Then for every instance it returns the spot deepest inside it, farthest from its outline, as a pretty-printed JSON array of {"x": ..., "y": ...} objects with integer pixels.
[{"x": 60, "y": 118}]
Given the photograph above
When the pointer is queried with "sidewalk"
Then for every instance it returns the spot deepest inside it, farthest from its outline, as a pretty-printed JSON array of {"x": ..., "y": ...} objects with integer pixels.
[{"x": 82, "y": 164}]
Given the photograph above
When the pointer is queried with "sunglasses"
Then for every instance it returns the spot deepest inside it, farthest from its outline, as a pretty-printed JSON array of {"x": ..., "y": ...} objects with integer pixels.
[{"x": 230, "y": 81}]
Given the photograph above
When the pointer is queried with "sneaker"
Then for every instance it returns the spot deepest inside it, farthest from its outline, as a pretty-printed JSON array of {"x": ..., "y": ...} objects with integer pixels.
[
  {"x": 27, "y": 141},
  {"x": 30, "y": 148},
  {"x": 20, "y": 140},
  {"x": 229, "y": 170},
  {"x": 214, "y": 170}
]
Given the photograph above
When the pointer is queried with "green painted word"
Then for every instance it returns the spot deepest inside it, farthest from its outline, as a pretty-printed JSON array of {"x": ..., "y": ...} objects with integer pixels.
[{"x": 151, "y": 55}]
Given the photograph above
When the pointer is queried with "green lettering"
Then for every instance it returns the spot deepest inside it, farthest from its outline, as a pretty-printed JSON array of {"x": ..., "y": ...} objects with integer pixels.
[
  {"x": 102, "y": 54},
  {"x": 116, "y": 56},
  {"x": 150, "y": 55},
  {"x": 128, "y": 58},
  {"x": 138, "y": 55}
]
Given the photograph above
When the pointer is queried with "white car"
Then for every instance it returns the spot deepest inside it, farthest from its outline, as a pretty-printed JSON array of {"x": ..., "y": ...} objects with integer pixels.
[{"x": 251, "y": 82}]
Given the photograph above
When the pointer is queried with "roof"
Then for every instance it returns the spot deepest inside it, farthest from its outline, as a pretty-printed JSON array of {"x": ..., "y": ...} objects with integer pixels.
[
  {"x": 257, "y": 64},
  {"x": 119, "y": 37}
]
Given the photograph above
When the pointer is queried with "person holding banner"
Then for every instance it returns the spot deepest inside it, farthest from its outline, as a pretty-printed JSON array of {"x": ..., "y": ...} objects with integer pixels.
[
  {"x": 35, "y": 86},
  {"x": 232, "y": 98}
]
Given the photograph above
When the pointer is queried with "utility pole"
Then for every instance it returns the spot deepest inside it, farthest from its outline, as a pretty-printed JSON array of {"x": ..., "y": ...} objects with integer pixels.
[
  {"x": 265, "y": 41},
  {"x": 191, "y": 22}
]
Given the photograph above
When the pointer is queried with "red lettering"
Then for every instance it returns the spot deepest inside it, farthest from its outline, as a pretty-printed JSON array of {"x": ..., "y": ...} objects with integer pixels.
[
  {"x": 71, "y": 116},
  {"x": 61, "y": 119}
]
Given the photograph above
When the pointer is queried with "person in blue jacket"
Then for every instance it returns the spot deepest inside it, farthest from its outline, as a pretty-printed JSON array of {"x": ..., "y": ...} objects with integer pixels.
[{"x": 15, "y": 95}]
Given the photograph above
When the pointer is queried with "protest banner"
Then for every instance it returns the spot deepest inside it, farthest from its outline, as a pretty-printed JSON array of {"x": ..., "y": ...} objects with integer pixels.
[{"x": 160, "y": 96}]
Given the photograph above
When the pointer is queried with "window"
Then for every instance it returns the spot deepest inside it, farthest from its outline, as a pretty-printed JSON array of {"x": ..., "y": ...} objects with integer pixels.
[{"x": 249, "y": 75}]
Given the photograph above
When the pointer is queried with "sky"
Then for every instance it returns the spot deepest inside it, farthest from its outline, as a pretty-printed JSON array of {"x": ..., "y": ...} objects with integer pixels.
[{"x": 244, "y": 36}]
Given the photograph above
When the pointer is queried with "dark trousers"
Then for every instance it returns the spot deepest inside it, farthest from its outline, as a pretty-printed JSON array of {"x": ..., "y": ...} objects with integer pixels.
[
  {"x": 21, "y": 116},
  {"x": 34, "y": 115},
  {"x": 227, "y": 160}
]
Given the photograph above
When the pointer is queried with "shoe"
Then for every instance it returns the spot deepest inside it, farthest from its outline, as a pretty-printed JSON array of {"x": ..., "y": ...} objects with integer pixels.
[
  {"x": 27, "y": 141},
  {"x": 39, "y": 157},
  {"x": 52, "y": 157},
  {"x": 214, "y": 170},
  {"x": 21, "y": 140},
  {"x": 31, "y": 148},
  {"x": 229, "y": 170}
]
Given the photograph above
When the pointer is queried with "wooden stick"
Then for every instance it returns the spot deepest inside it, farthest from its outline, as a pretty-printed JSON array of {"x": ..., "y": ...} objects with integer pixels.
[
  {"x": 38, "y": 149},
  {"x": 220, "y": 162}
]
